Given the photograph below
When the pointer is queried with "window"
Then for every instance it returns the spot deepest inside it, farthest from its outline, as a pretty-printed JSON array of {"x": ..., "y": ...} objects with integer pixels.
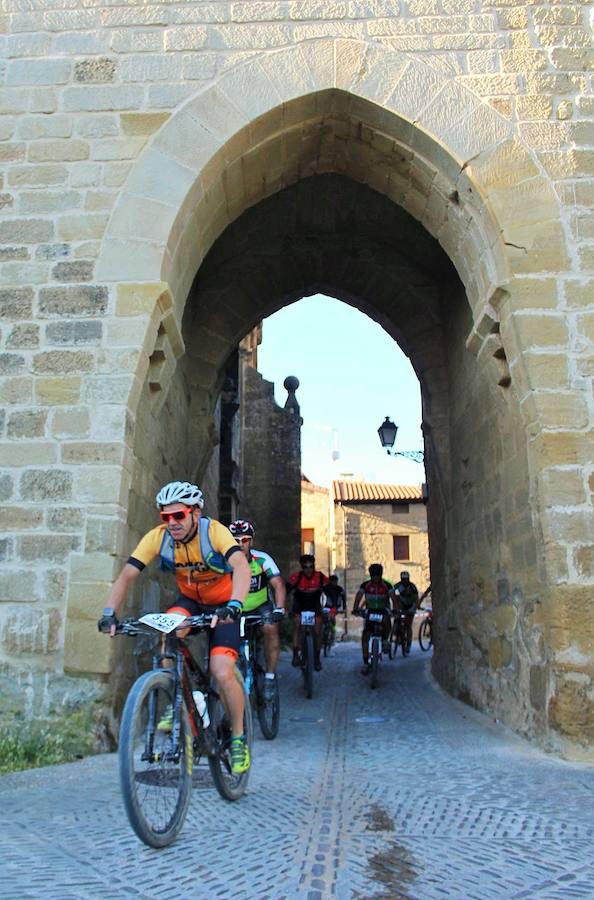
[
  {"x": 402, "y": 508},
  {"x": 401, "y": 546},
  {"x": 308, "y": 544}
]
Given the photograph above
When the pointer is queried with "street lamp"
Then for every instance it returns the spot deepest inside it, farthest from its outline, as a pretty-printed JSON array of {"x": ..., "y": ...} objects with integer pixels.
[{"x": 387, "y": 435}]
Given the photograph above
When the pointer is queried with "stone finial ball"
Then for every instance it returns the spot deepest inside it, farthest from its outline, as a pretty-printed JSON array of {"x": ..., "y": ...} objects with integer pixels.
[{"x": 291, "y": 383}]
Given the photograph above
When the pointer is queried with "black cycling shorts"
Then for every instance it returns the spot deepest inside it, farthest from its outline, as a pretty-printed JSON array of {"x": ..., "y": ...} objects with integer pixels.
[{"x": 223, "y": 638}]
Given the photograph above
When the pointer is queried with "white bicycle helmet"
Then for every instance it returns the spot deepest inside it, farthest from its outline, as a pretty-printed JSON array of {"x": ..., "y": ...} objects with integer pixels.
[{"x": 180, "y": 492}]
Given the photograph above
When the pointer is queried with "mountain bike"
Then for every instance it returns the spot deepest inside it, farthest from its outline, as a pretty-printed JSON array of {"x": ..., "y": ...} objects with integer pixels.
[
  {"x": 308, "y": 626},
  {"x": 252, "y": 666},
  {"x": 398, "y": 636},
  {"x": 327, "y": 631},
  {"x": 156, "y": 762},
  {"x": 426, "y": 630},
  {"x": 374, "y": 624}
]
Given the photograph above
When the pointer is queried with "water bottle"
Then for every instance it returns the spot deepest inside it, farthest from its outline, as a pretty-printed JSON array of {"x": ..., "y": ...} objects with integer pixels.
[{"x": 200, "y": 701}]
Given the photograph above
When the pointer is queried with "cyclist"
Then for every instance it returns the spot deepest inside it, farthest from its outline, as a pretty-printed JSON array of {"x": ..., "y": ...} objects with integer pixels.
[
  {"x": 333, "y": 600},
  {"x": 407, "y": 598},
  {"x": 212, "y": 575},
  {"x": 377, "y": 595},
  {"x": 264, "y": 572},
  {"x": 306, "y": 586}
]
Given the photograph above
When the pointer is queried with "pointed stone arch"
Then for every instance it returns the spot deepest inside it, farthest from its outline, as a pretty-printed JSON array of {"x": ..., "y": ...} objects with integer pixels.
[{"x": 384, "y": 119}]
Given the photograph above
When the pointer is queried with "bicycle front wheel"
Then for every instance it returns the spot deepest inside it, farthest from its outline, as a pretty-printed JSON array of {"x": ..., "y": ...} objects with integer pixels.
[
  {"x": 268, "y": 710},
  {"x": 374, "y": 662},
  {"x": 425, "y": 635},
  {"x": 307, "y": 656},
  {"x": 155, "y": 775},
  {"x": 229, "y": 786}
]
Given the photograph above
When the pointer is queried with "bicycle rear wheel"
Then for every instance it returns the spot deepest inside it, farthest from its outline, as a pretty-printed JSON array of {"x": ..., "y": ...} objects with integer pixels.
[
  {"x": 327, "y": 639},
  {"x": 374, "y": 662},
  {"x": 155, "y": 776},
  {"x": 425, "y": 635},
  {"x": 229, "y": 786},
  {"x": 307, "y": 663}
]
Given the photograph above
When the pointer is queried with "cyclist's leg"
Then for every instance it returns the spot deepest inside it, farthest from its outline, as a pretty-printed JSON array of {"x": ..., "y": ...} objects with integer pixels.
[
  {"x": 296, "y": 633},
  {"x": 409, "y": 626},
  {"x": 223, "y": 656},
  {"x": 386, "y": 628},
  {"x": 365, "y": 645}
]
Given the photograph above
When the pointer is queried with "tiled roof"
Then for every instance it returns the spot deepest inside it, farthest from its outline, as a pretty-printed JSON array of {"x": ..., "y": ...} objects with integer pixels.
[{"x": 366, "y": 492}]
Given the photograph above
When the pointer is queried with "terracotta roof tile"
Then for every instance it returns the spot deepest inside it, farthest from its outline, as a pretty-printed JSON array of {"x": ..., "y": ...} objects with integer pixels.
[{"x": 367, "y": 492}]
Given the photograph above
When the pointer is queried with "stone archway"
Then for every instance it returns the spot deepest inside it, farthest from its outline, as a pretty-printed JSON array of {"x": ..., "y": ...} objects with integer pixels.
[{"x": 379, "y": 118}]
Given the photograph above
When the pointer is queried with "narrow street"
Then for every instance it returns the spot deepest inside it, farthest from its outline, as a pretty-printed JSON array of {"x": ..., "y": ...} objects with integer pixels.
[{"x": 399, "y": 792}]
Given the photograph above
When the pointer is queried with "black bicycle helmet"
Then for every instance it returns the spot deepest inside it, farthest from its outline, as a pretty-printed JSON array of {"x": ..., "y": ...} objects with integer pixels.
[{"x": 241, "y": 528}]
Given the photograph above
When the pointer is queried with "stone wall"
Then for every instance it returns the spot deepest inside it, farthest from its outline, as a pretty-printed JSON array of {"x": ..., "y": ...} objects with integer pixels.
[
  {"x": 134, "y": 136},
  {"x": 315, "y": 513}
]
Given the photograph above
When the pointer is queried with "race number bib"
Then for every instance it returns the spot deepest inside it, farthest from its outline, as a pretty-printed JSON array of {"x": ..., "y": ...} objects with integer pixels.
[
  {"x": 308, "y": 618},
  {"x": 376, "y": 616},
  {"x": 165, "y": 622}
]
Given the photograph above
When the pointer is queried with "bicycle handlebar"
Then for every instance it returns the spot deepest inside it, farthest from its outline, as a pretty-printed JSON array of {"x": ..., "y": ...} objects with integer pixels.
[{"x": 132, "y": 627}]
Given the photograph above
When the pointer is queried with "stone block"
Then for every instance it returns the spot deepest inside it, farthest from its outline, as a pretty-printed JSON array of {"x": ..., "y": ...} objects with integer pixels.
[
  {"x": 35, "y": 631},
  {"x": 81, "y": 227},
  {"x": 103, "y": 98},
  {"x": 92, "y": 452},
  {"x": 16, "y": 303},
  {"x": 149, "y": 68},
  {"x": 97, "y": 125},
  {"x": 541, "y": 330},
  {"x": 52, "y": 251},
  {"x": 105, "y": 536},
  {"x": 24, "y": 336},
  {"x": 67, "y": 150},
  {"x": 17, "y": 273},
  {"x": 65, "y": 518},
  {"x": 142, "y": 124},
  {"x": 29, "y": 423},
  {"x": 26, "y": 231},
  {"x": 101, "y": 484},
  {"x": 6, "y": 486},
  {"x": 97, "y": 69},
  {"x": 37, "y": 453},
  {"x": 142, "y": 299},
  {"x": 87, "y": 599},
  {"x": 571, "y": 710},
  {"x": 81, "y": 270},
  {"x": 57, "y": 391},
  {"x": 45, "y": 484},
  {"x": 38, "y": 71},
  {"x": 96, "y": 201},
  {"x": 93, "y": 568},
  {"x": 71, "y": 423},
  {"x": 46, "y": 547},
  {"x": 584, "y": 561},
  {"x": 41, "y": 202},
  {"x": 11, "y": 152},
  {"x": 11, "y": 363},
  {"x": 34, "y": 128},
  {"x": 18, "y": 586},
  {"x": 63, "y": 362},
  {"x": 37, "y": 176},
  {"x": 563, "y": 487},
  {"x": 566, "y": 410},
  {"x": 16, "y": 390},
  {"x": 7, "y": 253},
  {"x": 12, "y": 519},
  {"x": 133, "y": 41},
  {"x": 74, "y": 333},
  {"x": 85, "y": 650}
]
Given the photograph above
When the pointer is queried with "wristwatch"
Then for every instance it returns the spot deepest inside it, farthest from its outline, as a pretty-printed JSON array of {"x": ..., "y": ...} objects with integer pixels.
[{"x": 108, "y": 611}]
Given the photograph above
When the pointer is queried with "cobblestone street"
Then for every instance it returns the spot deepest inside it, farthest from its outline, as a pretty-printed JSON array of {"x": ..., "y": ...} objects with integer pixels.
[{"x": 399, "y": 792}]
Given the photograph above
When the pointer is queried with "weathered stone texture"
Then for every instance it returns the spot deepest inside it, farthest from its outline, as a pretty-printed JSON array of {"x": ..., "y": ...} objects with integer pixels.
[{"x": 238, "y": 101}]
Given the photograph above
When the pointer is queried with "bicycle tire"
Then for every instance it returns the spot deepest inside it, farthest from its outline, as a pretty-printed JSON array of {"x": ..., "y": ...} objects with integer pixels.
[
  {"x": 425, "y": 635},
  {"x": 307, "y": 656},
  {"x": 268, "y": 711},
  {"x": 230, "y": 786},
  {"x": 374, "y": 662},
  {"x": 156, "y": 793}
]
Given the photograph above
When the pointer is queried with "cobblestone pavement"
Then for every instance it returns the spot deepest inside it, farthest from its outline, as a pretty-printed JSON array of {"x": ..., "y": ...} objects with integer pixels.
[{"x": 399, "y": 792}]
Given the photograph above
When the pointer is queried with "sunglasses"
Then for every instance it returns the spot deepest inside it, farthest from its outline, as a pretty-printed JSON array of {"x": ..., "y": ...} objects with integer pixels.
[
  {"x": 243, "y": 540},
  {"x": 177, "y": 516}
]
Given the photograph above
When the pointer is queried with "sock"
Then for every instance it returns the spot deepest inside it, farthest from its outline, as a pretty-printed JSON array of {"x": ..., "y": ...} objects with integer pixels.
[{"x": 270, "y": 675}]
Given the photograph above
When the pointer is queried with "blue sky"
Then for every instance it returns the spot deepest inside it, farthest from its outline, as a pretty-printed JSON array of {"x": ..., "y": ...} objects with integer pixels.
[{"x": 352, "y": 375}]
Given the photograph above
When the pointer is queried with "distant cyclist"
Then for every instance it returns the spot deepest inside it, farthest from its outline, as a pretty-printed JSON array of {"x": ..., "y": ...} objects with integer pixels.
[
  {"x": 265, "y": 573},
  {"x": 407, "y": 598},
  {"x": 374, "y": 595},
  {"x": 307, "y": 586},
  {"x": 333, "y": 600}
]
